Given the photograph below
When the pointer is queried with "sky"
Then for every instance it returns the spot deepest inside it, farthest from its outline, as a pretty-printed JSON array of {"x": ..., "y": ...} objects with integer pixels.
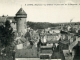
[{"x": 43, "y": 12}]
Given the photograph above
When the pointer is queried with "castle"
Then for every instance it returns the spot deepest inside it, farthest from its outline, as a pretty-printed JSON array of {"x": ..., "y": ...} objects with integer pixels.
[
  {"x": 18, "y": 22},
  {"x": 21, "y": 21}
]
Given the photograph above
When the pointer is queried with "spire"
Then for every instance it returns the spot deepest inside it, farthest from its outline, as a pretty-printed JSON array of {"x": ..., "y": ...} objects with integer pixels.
[{"x": 21, "y": 12}]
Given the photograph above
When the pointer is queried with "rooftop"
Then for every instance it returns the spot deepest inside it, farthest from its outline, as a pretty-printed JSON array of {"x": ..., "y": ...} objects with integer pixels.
[
  {"x": 21, "y": 12},
  {"x": 65, "y": 41},
  {"x": 27, "y": 53}
]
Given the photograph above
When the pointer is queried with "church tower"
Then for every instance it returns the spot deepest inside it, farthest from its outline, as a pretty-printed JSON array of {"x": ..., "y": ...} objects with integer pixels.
[{"x": 21, "y": 22}]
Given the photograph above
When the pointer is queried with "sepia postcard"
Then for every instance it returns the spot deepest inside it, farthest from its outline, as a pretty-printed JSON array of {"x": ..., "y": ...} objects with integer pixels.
[{"x": 40, "y": 30}]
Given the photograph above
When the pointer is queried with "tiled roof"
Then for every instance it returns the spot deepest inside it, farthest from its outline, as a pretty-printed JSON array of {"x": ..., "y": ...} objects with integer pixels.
[
  {"x": 65, "y": 41},
  {"x": 21, "y": 11},
  {"x": 46, "y": 51},
  {"x": 46, "y": 46},
  {"x": 52, "y": 41},
  {"x": 27, "y": 53}
]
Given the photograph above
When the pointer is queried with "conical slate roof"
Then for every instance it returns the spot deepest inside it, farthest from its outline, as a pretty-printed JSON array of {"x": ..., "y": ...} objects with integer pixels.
[{"x": 21, "y": 12}]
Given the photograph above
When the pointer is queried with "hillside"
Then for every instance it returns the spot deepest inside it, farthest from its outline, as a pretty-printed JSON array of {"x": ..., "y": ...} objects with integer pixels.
[{"x": 40, "y": 25}]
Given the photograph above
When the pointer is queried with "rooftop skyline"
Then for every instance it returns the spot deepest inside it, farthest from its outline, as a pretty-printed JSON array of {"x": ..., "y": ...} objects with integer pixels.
[{"x": 53, "y": 13}]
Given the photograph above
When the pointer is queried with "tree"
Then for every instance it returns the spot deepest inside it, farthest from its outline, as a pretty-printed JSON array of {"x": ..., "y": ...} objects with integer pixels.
[
  {"x": 27, "y": 36},
  {"x": 72, "y": 30},
  {"x": 6, "y": 34},
  {"x": 40, "y": 25},
  {"x": 7, "y": 39}
]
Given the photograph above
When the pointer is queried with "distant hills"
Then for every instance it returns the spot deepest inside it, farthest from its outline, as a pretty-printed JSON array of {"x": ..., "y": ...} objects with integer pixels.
[
  {"x": 40, "y": 25},
  {"x": 43, "y": 25}
]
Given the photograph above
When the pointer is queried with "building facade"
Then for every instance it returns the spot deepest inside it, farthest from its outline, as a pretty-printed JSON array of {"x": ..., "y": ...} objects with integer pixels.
[{"x": 21, "y": 21}]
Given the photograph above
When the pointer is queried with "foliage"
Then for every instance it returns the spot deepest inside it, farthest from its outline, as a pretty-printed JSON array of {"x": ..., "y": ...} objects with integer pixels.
[
  {"x": 72, "y": 30},
  {"x": 6, "y": 34},
  {"x": 40, "y": 25},
  {"x": 27, "y": 36}
]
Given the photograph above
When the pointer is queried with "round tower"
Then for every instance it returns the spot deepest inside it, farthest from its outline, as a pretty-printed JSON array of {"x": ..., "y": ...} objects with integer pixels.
[{"x": 21, "y": 22}]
